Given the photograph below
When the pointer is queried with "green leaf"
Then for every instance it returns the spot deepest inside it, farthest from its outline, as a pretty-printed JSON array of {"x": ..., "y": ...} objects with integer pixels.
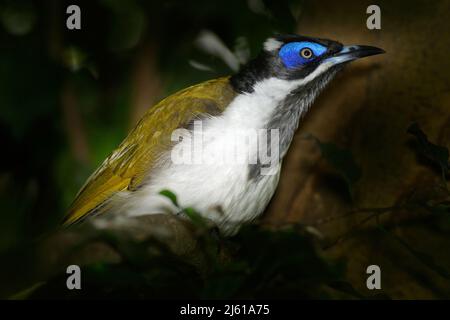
[
  {"x": 74, "y": 58},
  {"x": 195, "y": 217},
  {"x": 18, "y": 18},
  {"x": 169, "y": 194}
]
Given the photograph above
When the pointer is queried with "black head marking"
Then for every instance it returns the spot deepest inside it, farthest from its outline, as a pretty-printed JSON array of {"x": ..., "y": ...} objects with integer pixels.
[{"x": 269, "y": 64}]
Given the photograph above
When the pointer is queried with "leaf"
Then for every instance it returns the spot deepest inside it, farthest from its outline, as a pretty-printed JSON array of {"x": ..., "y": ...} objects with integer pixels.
[
  {"x": 169, "y": 194},
  {"x": 18, "y": 18},
  {"x": 74, "y": 58},
  {"x": 341, "y": 160},
  {"x": 195, "y": 217},
  {"x": 437, "y": 154},
  {"x": 128, "y": 23}
]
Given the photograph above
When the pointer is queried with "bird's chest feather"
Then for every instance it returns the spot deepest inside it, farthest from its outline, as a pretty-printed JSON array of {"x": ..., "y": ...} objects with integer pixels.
[
  {"x": 218, "y": 176},
  {"x": 214, "y": 179},
  {"x": 209, "y": 168}
]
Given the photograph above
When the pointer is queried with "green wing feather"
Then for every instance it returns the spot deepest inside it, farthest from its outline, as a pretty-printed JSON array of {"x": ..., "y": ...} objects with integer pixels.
[{"x": 127, "y": 166}]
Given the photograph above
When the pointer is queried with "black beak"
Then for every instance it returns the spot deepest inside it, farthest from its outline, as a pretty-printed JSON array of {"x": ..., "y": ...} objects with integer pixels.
[{"x": 349, "y": 53}]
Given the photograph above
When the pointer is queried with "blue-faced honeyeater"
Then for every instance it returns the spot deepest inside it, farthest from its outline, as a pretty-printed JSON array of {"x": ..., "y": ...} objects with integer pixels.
[{"x": 271, "y": 92}]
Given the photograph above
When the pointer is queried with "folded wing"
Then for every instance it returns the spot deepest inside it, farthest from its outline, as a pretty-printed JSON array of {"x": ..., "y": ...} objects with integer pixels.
[{"x": 128, "y": 165}]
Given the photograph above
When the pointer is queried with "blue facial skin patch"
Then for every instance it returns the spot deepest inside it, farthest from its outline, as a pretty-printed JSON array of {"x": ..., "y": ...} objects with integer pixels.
[{"x": 290, "y": 53}]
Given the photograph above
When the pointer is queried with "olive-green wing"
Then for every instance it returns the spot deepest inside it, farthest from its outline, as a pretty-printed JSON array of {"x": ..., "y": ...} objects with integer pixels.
[{"x": 129, "y": 164}]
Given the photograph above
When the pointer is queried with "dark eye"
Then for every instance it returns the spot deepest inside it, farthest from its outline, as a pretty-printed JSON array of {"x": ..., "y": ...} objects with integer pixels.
[{"x": 306, "y": 53}]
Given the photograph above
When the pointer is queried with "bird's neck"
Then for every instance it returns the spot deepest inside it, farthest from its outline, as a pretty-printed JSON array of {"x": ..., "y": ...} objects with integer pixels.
[
  {"x": 254, "y": 110},
  {"x": 276, "y": 104}
]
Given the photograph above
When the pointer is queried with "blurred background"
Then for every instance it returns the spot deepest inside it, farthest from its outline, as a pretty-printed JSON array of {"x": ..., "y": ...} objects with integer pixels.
[{"x": 69, "y": 97}]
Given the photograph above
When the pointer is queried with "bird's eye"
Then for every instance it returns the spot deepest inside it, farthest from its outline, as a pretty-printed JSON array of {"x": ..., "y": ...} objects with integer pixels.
[
  {"x": 296, "y": 54},
  {"x": 306, "y": 53}
]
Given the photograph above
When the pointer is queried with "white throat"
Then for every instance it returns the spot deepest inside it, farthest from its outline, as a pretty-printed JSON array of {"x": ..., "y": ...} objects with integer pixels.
[{"x": 253, "y": 110}]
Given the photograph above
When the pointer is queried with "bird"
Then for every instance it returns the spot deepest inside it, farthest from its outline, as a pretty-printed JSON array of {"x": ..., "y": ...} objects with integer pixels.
[{"x": 181, "y": 142}]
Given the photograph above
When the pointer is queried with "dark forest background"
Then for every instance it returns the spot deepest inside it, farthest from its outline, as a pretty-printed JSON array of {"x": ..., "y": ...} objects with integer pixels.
[{"x": 358, "y": 187}]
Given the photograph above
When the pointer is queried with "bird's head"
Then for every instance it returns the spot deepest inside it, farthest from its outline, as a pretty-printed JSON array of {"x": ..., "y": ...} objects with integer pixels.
[{"x": 298, "y": 60}]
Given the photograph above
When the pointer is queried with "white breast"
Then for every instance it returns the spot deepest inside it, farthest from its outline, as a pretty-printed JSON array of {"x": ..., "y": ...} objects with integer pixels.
[{"x": 222, "y": 192}]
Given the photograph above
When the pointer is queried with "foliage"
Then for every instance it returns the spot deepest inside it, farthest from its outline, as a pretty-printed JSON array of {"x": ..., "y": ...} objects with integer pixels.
[
  {"x": 341, "y": 160},
  {"x": 438, "y": 155},
  {"x": 68, "y": 98},
  {"x": 258, "y": 263}
]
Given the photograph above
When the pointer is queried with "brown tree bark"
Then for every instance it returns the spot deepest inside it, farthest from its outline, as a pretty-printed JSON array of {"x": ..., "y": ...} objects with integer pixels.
[{"x": 367, "y": 110}]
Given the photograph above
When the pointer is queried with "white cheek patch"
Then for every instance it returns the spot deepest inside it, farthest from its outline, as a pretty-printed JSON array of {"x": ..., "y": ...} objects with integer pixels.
[
  {"x": 317, "y": 72},
  {"x": 272, "y": 44}
]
